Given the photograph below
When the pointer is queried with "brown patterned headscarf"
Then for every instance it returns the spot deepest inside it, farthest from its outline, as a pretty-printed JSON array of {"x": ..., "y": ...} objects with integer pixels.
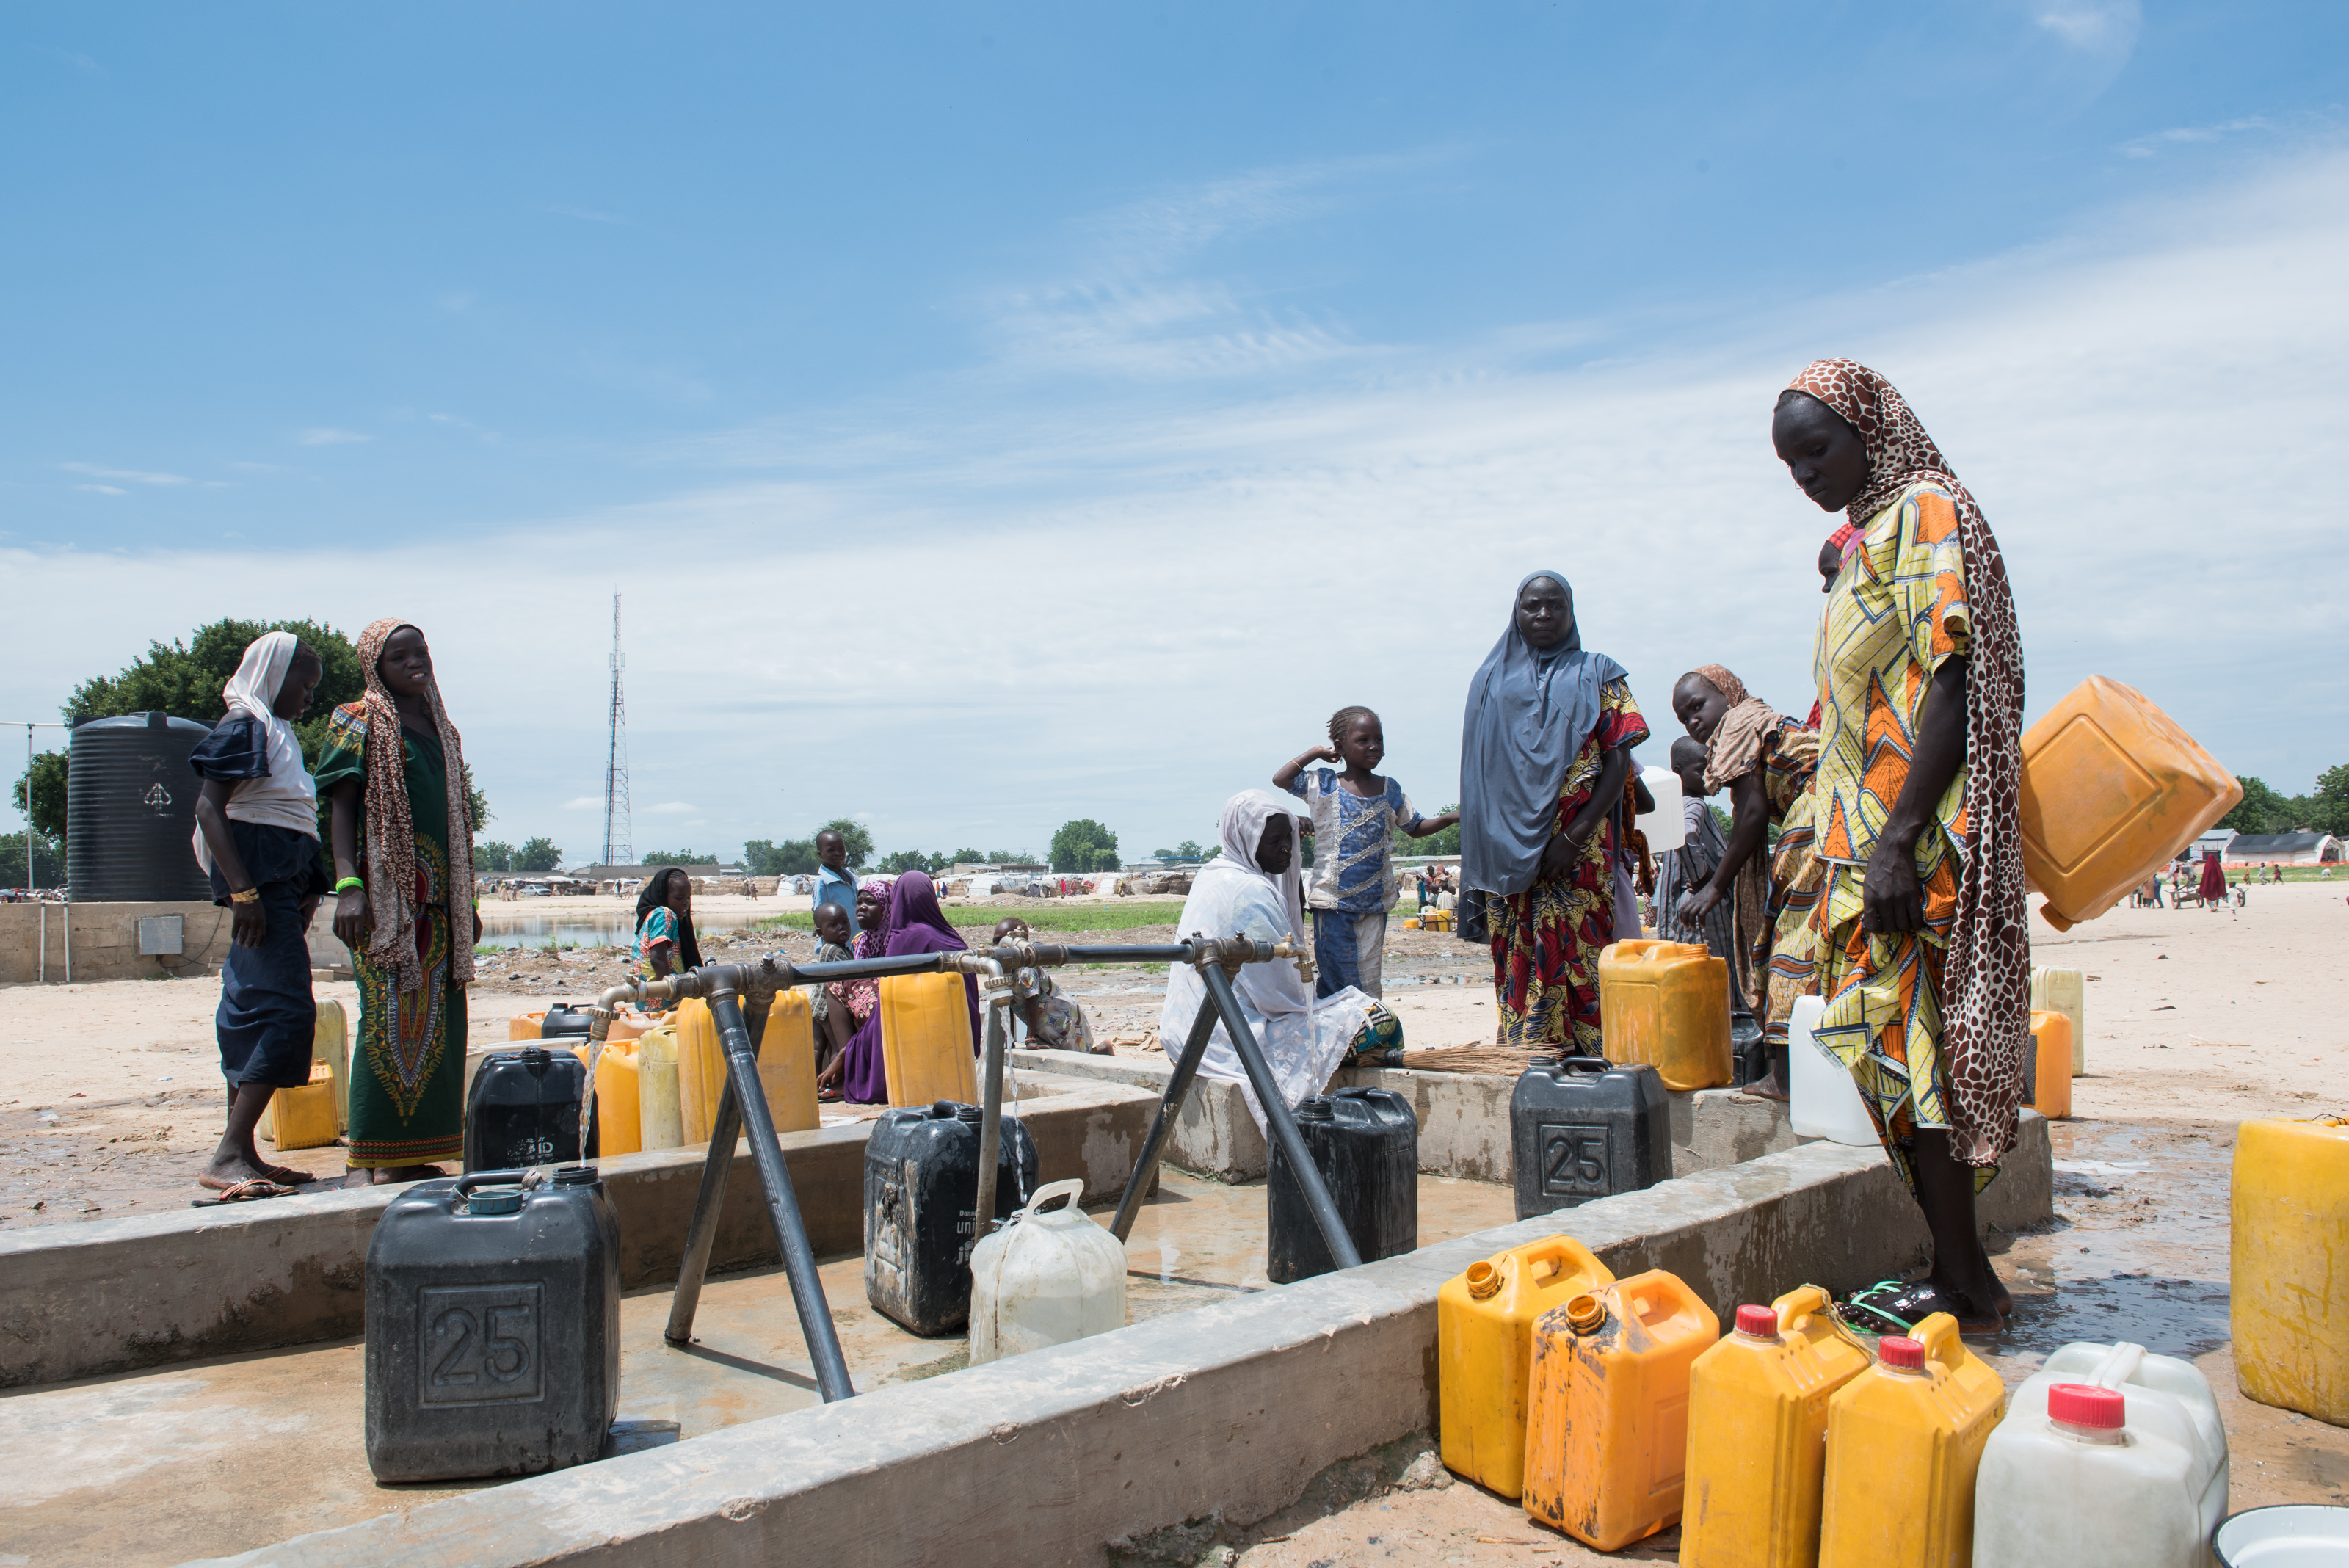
[
  {"x": 1986, "y": 1000},
  {"x": 390, "y": 827},
  {"x": 1747, "y": 723}
]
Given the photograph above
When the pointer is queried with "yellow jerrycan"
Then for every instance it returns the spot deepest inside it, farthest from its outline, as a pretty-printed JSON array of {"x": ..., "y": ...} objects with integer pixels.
[
  {"x": 700, "y": 1068},
  {"x": 2289, "y": 1308},
  {"x": 1904, "y": 1441},
  {"x": 1667, "y": 1004},
  {"x": 925, "y": 1044},
  {"x": 2111, "y": 789},
  {"x": 1758, "y": 1435},
  {"x": 525, "y": 1025},
  {"x": 619, "y": 1099},
  {"x": 330, "y": 1048},
  {"x": 2047, "y": 1065},
  {"x": 2064, "y": 991},
  {"x": 1483, "y": 1351},
  {"x": 659, "y": 1118},
  {"x": 787, "y": 1063},
  {"x": 1606, "y": 1428},
  {"x": 304, "y": 1118}
]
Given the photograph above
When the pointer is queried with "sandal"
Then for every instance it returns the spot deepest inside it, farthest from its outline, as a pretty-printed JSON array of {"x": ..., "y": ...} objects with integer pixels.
[
  {"x": 1898, "y": 1306},
  {"x": 242, "y": 1192}
]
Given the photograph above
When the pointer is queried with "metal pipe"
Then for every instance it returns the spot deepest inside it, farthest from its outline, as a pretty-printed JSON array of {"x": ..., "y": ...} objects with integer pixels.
[
  {"x": 783, "y": 1206},
  {"x": 1170, "y": 1106},
  {"x": 1276, "y": 1112},
  {"x": 991, "y": 1112}
]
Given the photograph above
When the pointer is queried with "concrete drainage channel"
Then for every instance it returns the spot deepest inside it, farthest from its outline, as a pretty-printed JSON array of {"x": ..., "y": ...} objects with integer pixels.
[{"x": 1228, "y": 1410}]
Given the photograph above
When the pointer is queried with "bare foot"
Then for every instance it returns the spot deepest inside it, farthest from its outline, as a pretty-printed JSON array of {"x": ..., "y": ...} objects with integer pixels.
[
  {"x": 225, "y": 1171},
  {"x": 1766, "y": 1088},
  {"x": 388, "y": 1175}
]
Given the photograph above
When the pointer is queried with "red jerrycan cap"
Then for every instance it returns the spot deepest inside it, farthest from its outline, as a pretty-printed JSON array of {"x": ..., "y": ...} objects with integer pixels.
[
  {"x": 1757, "y": 1322},
  {"x": 1900, "y": 1351},
  {"x": 2085, "y": 1404}
]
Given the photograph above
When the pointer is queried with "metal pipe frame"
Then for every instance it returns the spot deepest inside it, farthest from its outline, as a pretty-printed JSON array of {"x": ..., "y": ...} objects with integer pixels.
[{"x": 742, "y": 1107}]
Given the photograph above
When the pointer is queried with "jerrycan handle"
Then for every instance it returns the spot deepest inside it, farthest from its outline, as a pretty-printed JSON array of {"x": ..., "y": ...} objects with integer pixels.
[
  {"x": 1585, "y": 1065},
  {"x": 1938, "y": 1333},
  {"x": 2119, "y": 1365},
  {"x": 472, "y": 1178},
  {"x": 1553, "y": 1256},
  {"x": 1802, "y": 1302},
  {"x": 1070, "y": 1187}
]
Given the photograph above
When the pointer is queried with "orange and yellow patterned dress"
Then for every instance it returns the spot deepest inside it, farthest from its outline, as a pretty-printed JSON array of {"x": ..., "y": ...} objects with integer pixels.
[{"x": 1897, "y": 611}]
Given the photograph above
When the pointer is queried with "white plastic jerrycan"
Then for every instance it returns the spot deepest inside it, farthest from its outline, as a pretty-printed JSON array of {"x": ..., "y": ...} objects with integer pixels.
[
  {"x": 1667, "y": 825},
  {"x": 1045, "y": 1278},
  {"x": 2108, "y": 1457},
  {"x": 1822, "y": 1100}
]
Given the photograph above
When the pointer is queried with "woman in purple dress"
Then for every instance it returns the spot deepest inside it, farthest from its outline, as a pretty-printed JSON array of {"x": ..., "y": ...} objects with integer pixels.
[{"x": 916, "y": 925}]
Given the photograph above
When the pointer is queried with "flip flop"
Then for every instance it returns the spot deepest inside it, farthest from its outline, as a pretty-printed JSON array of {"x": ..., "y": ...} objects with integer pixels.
[
  {"x": 242, "y": 1192},
  {"x": 286, "y": 1176},
  {"x": 1897, "y": 1306}
]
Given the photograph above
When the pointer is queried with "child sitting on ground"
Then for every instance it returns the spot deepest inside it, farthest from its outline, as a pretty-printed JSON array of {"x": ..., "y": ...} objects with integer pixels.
[
  {"x": 832, "y": 1006},
  {"x": 1054, "y": 1021},
  {"x": 1351, "y": 884}
]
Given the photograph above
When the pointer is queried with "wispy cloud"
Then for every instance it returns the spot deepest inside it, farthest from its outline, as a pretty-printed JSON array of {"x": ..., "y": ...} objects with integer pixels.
[
  {"x": 584, "y": 803},
  {"x": 2192, "y": 135},
  {"x": 128, "y": 475},
  {"x": 666, "y": 808},
  {"x": 2095, "y": 26},
  {"x": 328, "y": 435},
  {"x": 587, "y": 214},
  {"x": 81, "y": 63},
  {"x": 104, "y": 489}
]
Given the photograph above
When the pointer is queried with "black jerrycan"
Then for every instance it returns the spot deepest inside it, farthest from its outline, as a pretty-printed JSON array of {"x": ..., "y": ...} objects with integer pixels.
[
  {"x": 493, "y": 1325},
  {"x": 921, "y": 1189},
  {"x": 564, "y": 1022},
  {"x": 1365, "y": 1144},
  {"x": 1749, "y": 1058},
  {"x": 1579, "y": 1129},
  {"x": 523, "y": 1110}
]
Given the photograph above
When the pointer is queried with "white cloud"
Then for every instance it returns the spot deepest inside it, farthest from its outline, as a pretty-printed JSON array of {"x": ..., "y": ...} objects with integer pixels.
[
  {"x": 584, "y": 803},
  {"x": 1069, "y": 609},
  {"x": 2191, "y": 135},
  {"x": 128, "y": 475},
  {"x": 2095, "y": 27},
  {"x": 329, "y": 436},
  {"x": 104, "y": 489},
  {"x": 587, "y": 214}
]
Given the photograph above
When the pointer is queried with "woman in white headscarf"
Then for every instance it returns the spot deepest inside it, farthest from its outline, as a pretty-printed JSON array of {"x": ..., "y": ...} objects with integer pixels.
[
  {"x": 257, "y": 838},
  {"x": 1252, "y": 888}
]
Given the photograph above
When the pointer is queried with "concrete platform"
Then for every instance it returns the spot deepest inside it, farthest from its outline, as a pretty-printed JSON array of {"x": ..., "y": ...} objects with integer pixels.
[
  {"x": 1230, "y": 1408},
  {"x": 112, "y": 1294},
  {"x": 1463, "y": 1118},
  {"x": 153, "y": 1466}
]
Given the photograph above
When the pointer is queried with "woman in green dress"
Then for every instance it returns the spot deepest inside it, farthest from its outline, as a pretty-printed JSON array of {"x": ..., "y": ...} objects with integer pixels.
[{"x": 395, "y": 772}]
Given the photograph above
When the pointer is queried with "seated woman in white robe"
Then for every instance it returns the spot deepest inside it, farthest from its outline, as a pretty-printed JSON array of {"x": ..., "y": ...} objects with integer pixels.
[{"x": 1253, "y": 889}]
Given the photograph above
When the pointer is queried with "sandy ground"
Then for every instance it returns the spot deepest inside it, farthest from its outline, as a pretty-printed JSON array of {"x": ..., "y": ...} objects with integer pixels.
[{"x": 109, "y": 1098}]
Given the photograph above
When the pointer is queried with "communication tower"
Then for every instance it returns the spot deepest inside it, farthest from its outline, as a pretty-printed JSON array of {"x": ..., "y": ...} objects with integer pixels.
[{"x": 618, "y": 848}]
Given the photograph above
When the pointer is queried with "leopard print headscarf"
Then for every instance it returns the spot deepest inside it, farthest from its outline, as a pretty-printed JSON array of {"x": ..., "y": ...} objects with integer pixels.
[
  {"x": 390, "y": 829},
  {"x": 1986, "y": 1001}
]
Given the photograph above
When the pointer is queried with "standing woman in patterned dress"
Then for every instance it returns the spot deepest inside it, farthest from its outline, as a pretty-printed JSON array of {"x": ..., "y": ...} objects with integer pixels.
[
  {"x": 403, "y": 848},
  {"x": 1923, "y": 955},
  {"x": 1544, "y": 751}
]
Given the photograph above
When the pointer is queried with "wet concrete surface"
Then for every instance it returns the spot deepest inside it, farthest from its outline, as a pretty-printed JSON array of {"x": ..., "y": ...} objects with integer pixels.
[
  {"x": 215, "y": 1456},
  {"x": 2137, "y": 1251}
]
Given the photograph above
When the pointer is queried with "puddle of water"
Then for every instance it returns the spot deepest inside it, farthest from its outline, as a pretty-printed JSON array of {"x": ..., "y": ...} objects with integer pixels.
[{"x": 585, "y": 930}]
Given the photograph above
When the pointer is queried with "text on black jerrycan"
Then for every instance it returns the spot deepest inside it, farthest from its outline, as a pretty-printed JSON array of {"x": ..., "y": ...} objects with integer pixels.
[
  {"x": 921, "y": 1189},
  {"x": 493, "y": 1325},
  {"x": 1365, "y": 1144},
  {"x": 523, "y": 1110},
  {"x": 1579, "y": 1129}
]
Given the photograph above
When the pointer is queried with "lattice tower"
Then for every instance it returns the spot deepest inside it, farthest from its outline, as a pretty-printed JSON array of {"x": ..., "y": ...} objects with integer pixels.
[{"x": 619, "y": 848}]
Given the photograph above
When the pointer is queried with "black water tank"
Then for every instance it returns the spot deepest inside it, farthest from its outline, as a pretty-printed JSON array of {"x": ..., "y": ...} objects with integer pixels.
[
  {"x": 1365, "y": 1144},
  {"x": 130, "y": 811}
]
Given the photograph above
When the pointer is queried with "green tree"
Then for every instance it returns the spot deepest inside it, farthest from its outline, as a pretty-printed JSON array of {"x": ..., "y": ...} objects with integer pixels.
[
  {"x": 1010, "y": 857},
  {"x": 2328, "y": 811},
  {"x": 674, "y": 857},
  {"x": 857, "y": 836},
  {"x": 1080, "y": 845},
  {"x": 1106, "y": 860},
  {"x": 1445, "y": 843},
  {"x": 968, "y": 857},
  {"x": 792, "y": 858},
  {"x": 538, "y": 854},
  {"x": 48, "y": 866},
  {"x": 898, "y": 862},
  {"x": 41, "y": 795},
  {"x": 2261, "y": 809},
  {"x": 492, "y": 855}
]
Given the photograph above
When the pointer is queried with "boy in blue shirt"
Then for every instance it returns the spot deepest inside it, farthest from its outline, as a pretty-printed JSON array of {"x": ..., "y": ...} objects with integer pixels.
[{"x": 1351, "y": 883}]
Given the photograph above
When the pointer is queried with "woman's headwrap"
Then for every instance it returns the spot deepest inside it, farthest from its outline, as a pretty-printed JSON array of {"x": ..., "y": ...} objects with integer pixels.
[
  {"x": 390, "y": 829},
  {"x": 286, "y": 796},
  {"x": 876, "y": 943},
  {"x": 653, "y": 895},
  {"x": 1986, "y": 996},
  {"x": 1238, "y": 833},
  {"x": 1736, "y": 748},
  {"x": 259, "y": 675},
  {"x": 1529, "y": 711}
]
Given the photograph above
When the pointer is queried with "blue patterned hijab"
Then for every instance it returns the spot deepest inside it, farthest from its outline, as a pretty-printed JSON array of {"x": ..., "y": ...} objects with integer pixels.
[{"x": 1529, "y": 711}]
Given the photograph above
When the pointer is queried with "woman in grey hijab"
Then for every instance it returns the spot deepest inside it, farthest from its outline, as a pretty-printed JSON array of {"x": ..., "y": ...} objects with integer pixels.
[{"x": 1544, "y": 750}]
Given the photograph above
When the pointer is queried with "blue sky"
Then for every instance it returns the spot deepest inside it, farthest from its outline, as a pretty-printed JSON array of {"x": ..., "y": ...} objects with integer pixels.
[{"x": 999, "y": 414}]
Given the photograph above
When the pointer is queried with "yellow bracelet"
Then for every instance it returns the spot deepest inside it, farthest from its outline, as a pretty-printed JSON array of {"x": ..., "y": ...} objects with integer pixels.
[{"x": 250, "y": 896}]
